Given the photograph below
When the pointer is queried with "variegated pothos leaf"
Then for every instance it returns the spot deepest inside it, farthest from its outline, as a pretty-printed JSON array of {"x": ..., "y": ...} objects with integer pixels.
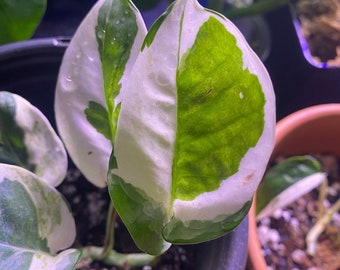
[
  {"x": 93, "y": 74},
  {"x": 195, "y": 131},
  {"x": 28, "y": 140},
  {"x": 35, "y": 223}
]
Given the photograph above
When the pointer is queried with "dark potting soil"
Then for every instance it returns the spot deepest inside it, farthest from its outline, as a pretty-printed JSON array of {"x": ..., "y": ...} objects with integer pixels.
[
  {"x": 89, "y": 205},
  {"x": 283, "y": 236}
]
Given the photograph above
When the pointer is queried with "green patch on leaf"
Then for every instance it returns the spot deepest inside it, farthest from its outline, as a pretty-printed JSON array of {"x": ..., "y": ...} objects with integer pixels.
[
  {"x": 198, "y": 231},
  {"x": 19, "y": 223},
  {"x": 12, "y": 145},
  {"x": 154, "y": 28},
  {"x": 217, "y": 101},
  {"x": 116, "y": 31},
  {"x": 98, "y": 117},
  {"x": 143, "y": 216}
]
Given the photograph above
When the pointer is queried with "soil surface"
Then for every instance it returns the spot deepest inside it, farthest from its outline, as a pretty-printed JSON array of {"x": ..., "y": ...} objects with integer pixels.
[
  {"x": 283, "y": 236},
  {"x": 320, "y": 23},
  {"x": 89, "y": 205}
]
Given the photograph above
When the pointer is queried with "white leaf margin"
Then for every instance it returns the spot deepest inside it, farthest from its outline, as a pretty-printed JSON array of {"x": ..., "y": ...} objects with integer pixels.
[{"x": 65, "y": 260}]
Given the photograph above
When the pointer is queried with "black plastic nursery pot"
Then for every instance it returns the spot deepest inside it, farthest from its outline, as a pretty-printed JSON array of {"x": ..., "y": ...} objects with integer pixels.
[{"x": 30, "y": 69}]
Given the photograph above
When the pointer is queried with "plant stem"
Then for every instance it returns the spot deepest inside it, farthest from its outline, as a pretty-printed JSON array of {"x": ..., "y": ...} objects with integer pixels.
[
  {"x": 322, "y": 197},
  {"x": 319, "y": 227},
  {"x": 257, "y": 8},
  {"x": 108, "y": 255},
  {"x": 109, "y": 231},
  {"x": 118, "y": 259}
]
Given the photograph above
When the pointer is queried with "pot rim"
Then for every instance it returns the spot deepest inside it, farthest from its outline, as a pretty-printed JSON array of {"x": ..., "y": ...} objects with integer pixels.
[
  {"x": 33, "y": 44},
  {"x": 289, "y": 123}
]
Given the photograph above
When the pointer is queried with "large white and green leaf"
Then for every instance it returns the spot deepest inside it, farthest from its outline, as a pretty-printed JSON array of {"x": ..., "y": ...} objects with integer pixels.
[
  {"x": 35, "y": 223},
  {"x": 93, "y": 73},
  {"x": 195, "y": 132},
  {"x": 28, "y": 140}
]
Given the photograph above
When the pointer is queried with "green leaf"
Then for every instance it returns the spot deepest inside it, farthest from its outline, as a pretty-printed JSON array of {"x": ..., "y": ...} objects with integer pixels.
[
  {"x": 28, "y": 140},
  {"x": 92, "y": 77},
  {"x": 195, "y": 131},
  {"x": 20, "y": 18},
  {"x": 35, "y": 223},
  {"x": 300, "y": 174}
]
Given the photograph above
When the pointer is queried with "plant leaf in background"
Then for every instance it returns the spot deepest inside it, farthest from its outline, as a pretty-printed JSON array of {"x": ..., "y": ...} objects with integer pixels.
[
  {"x": 35, "y": 223},
  {"x": 195, "y": 131},
  {"x": 20, "y": 18},
  {"x": 145, "y": 5},
  {"x": 93, "y": 73},
  {"x": 286, "y": 182},
  {"x": 28, "y": 140}
]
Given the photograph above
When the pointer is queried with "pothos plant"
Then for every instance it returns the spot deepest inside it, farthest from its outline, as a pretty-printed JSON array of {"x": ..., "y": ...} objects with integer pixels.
[{"x": 178, "y": 124}]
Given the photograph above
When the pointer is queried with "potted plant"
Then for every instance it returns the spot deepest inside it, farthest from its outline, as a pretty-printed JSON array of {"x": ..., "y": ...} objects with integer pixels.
[
  {"x": 87, "y": 79},
  {"x": 318, "y": 31},
  {"x": 310, "y": 131}
]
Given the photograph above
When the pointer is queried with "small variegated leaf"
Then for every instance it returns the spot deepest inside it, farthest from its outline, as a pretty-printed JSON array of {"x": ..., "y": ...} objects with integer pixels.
[
  {"x": 35, "y": 223},
  {"x": 28, "y": 140},
  {"x": 195, "y": 132},
  {"x": 93, "y": 73},
  {"x": 287, "y": 181}
]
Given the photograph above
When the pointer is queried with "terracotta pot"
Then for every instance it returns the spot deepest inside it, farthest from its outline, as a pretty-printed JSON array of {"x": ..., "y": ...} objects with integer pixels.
[{"x": 311, "y": 130}]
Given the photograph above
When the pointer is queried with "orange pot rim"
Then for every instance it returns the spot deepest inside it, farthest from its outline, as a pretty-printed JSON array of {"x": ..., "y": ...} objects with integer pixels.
[{"x": 294, "y": 120}]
